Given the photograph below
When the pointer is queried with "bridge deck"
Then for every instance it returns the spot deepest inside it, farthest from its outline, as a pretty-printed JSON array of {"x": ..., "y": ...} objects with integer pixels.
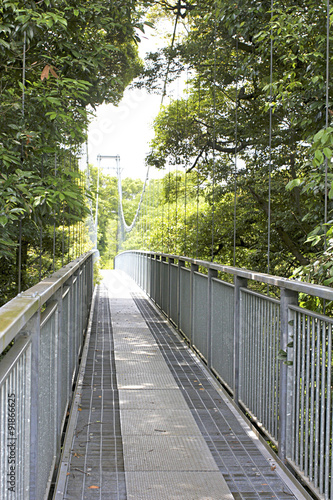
[{"x": 149, "y": 422}]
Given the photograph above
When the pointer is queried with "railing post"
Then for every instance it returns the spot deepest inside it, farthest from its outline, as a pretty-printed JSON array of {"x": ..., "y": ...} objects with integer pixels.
[
  {"x": 170, "y": 262},
  {"x": 194, "y": 268},
  {"x": 212, "y": 273},
  {"x": 288, "y": 297},
  {"x": 33, "y": 329},
  {"x": 153, "y": 270},
  {"x": 147, "y": 272},
  {"x": 157, "y": 279},
  {"x": 71, "y": 334},
  {"x": 59, "y": 340},
  {"x": 239, "y": 283},
  {"x": 153, "y": 277},
  {"x": 163, "y": 259},
  {"x": 91, "y": 276},
  {"x": 181, "y": 263}
]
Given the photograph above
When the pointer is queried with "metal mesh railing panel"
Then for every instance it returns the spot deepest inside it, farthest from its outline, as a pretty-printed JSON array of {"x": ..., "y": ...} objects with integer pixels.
[
  {"x": 259, "y": 365},
  {"x": 223, "y": 331},
  {"x": 311, "y": 416},
  {"x": 199, "y": 330},
  {"x": 185, "y": 302}
]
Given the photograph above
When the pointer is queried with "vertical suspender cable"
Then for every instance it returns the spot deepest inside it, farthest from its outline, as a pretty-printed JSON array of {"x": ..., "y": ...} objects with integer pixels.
[
  {"x": 23, "y": 71},
  {"x": 326, "y": 125},
  {"x": 69, "y": 236},
  {"x": 236, "y": 152},
  {"x": 328, "y": 410},
  {"x": 270, "y": 146},
  {"x": 80, "y": 222},
  {"x": 169, "y": 210},
  {"x": 41, "y": 229},
  {"x": 69, "y": 211},
  {"x": 63, "y": 237},
  {"x": 214, "y": 135},
  {"x": 169, "y": 60},
  {"x": 176, "y": 178},
  {"x": 162, "y": 242},
  {"x": 142, "y": 235},
  {"x": 40, "y": 251},
  {"x": 185, "y": 212},
  {"x": 19, "y": 275},
  {"x": 76, "y": 226},
  {"x": 97, "y": 195},
  {"x": 63, "y": 222},
  {"x": 54, "y": 221},
  {"x": 326, "y": 113},
  {"x": 185, "y": 169},
  {"x": 148, "y": 211},
  {"x": 197, "y": 229},
  {"x": 20, "y": 257}
]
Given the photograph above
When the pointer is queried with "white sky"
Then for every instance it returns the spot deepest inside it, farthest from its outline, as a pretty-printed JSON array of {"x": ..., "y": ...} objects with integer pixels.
[{"x": 126, "y": 130}]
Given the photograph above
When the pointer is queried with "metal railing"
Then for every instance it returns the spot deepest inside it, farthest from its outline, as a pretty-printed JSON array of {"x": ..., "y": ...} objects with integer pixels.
[
  {"x": 41, "y": 335},
  {"x": 239, "y": 333}
]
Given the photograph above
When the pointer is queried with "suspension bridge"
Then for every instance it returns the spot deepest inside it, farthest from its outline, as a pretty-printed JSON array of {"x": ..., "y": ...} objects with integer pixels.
[
  {"x": 169, "y": 389},
  {"x": 175, "y": 377}
]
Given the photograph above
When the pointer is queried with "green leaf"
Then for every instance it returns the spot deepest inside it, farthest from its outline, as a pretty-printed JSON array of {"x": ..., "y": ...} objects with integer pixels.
[
  {"x": 282, "y": 355},
  {"x": 319, "y": 156},
  {"x": 3, "y": 220},
  {"x": 292, "y": 184},
  {"x": 328, "y": 153},
  {"x": 328, "y": 281}
]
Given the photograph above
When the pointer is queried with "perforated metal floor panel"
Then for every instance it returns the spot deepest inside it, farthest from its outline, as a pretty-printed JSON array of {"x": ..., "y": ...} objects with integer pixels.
[{"x": 96, "y": 468}]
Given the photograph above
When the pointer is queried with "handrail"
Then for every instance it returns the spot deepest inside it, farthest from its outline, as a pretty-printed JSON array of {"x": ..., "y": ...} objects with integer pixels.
[
  {"x": 37, "y": 371},
  {"x": 321, "y": 291},
  {"x": 16, "y": 313},
  {"x": 274, "y": 358}
]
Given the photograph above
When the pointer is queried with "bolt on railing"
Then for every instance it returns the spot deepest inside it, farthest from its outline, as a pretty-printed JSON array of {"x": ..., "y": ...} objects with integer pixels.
[
  {"x": 41, "y": 336},
  {"x": 241, "y": 335}
]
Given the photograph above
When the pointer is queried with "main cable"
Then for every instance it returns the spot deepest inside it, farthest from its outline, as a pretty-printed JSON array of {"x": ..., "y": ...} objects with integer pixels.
[{"x": 127, "y": 227}]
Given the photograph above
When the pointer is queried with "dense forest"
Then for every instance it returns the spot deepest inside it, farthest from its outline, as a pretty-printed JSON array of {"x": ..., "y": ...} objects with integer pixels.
[{"x": 246, "y": 150}]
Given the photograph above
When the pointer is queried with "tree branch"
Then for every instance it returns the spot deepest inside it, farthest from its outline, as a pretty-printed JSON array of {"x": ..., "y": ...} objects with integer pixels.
[
  {"x": 222, "y": 149},
  {"x": 196, "y": 160}
]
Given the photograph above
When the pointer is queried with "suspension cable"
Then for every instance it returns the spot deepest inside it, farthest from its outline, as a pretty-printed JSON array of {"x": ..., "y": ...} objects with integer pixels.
[
  {"x": 171, "y": 47},
  {"x": 19, "y": 276},
  {"x": 214, "y": 135},
  {"x": 270, "y": 146},
  {"x": 127, "y": 227},
  {"x": 198, "y": 178},
  {"x": 169, "y": 210},
  {"x": 236, "y": 151},
  {"x": 54, "y": 220},
  {"x": 326, "y": 113}
]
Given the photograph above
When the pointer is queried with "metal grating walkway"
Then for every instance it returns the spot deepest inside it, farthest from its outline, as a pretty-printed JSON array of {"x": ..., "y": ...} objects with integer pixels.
[{"x": 148, "y": 421}]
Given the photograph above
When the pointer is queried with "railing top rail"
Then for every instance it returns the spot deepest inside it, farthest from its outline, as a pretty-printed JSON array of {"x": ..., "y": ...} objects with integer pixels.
[
  {"x": 16, "y": 313},
  {"x": 323, "y": 292}
]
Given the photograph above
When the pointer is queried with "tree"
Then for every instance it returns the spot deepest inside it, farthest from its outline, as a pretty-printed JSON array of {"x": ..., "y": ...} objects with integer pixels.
[
  {"x": 226, "y": 50},
  {"x": 58, "y": 61}
]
